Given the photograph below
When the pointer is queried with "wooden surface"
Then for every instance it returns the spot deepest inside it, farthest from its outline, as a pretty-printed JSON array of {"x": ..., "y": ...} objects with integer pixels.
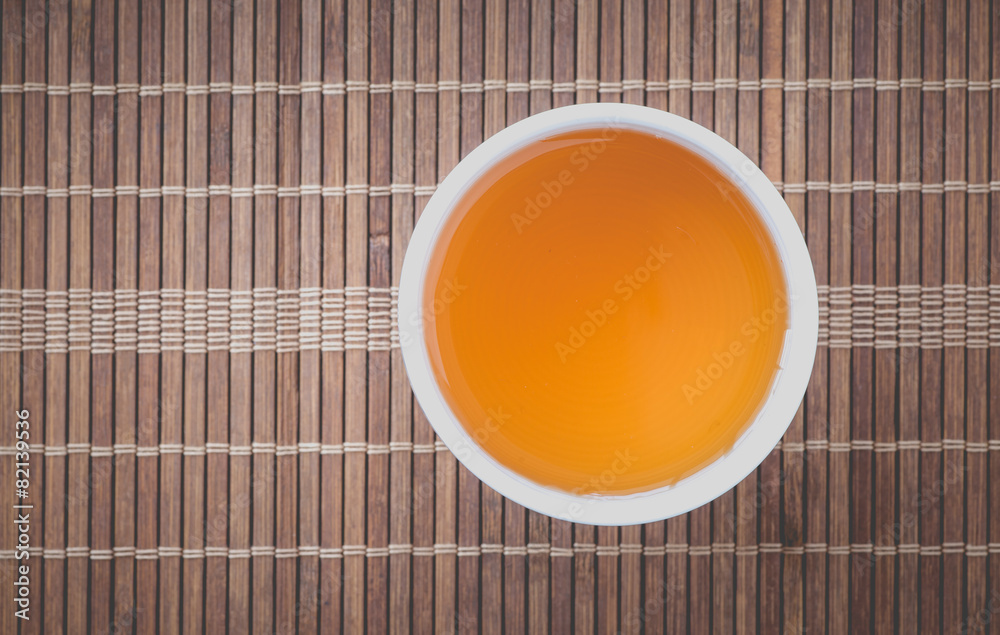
[{"x": 204, "y": 213}]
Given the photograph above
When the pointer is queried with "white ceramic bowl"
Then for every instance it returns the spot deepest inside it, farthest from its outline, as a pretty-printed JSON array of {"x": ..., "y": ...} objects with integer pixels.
[{"x": 797, "y": 354}]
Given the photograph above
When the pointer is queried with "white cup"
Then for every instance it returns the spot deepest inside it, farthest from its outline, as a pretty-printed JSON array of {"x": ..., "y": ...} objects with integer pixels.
[{"x": 788, "y": 385}]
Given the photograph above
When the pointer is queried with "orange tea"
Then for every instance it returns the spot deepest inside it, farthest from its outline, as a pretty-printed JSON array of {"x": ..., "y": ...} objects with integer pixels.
[{"x": 608, "y": 314}]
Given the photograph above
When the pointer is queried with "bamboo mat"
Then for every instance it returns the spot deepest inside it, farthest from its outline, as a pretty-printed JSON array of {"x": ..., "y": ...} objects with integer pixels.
[{"x": 204, "y": 213}]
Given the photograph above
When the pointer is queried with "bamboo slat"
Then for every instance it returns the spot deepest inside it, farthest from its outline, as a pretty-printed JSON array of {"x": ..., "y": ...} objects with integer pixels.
[
  {"x": 540, "y": 69},
  {"x": 173, "y": 412},
  {"x": 286, "y": 481},
  {"x": 993, "y": 504},
  {"x": 126, "y": 363},
  {"x": 881, "y": 224},
  {"x": 218, "y": 375},
  {"x": 819, "y": 413},
  {"x": 745, "y": 512},
  {"x": 976, "y": 394},
  {"x": 491, "y": 526},
  {"x": 954, "y": 359},
  {"x": 12, "y": 230},
  {"x": 265, "y": 373},
  {"x": 33, "y": 363},
  {"x": 103, "y": 281},
  {"x": 379, "y": 274},
  {"x": 470, "y": 125},
  {"x": 332, "y": 583},
  {"x": 401, "y": 398},
  {"x": 931, "y": 273},
  {"x": 79, "y": 373},
  {"x": 860, "y": 236},
  {"x": 839, "y": 266},
  {"x": 447, "y": 471},
  {"x": 726, "y": 111},
  {"x": 150, "y": 245},
  {"x": 312, "y": 591},
  {"x": 612, "y": 575},
  {"x": 425, "y": 488},
  {"x": 241, "y": 174},
  {"x": 909, "y": 364},
  {"x": 706, "y": 49},
  {"x": 690, "y": 607},
  {"x": 793, "y": 152},
  {"x": 196, "y": 235},
  {"x": 766, "y": 501}
]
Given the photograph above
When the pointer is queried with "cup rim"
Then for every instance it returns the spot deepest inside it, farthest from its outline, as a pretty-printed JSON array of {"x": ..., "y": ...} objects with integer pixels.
[{"x": 795, "y": 363}]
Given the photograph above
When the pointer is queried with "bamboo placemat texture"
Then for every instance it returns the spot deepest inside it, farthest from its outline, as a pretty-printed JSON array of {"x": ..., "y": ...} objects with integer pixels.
[{"x": 204, "y": 213}]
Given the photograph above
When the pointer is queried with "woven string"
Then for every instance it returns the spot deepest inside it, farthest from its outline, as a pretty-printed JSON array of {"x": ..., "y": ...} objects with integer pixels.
[
  {"x": 365, "y": 318},
  {"x": 864, "y": 551}
]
